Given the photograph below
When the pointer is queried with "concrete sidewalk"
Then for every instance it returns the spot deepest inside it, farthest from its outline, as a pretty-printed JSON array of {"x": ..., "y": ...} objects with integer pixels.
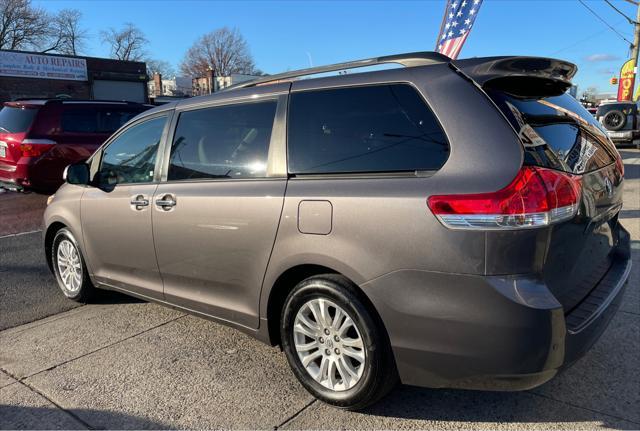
[{"x": 139, "y": 365}]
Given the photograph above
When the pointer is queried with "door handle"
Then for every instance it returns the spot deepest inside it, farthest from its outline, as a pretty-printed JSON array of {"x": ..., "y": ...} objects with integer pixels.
[
  {"x": 139, "y": 202},
  {"x": 166, "y": 202}
]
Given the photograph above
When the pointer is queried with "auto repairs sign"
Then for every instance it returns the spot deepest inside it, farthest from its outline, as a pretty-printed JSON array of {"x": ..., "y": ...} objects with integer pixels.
[
  {"x": 626, "y": 81},
  {"x": 27, "y": 65}
]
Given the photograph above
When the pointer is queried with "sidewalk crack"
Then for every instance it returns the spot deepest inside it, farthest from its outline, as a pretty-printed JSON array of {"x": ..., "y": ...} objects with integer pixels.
[
  {"x": 583, "y": 407},
  {"x": 95, "y": 350},
  {"x": 58, "y": 406},
  {"x": 295, "y": 415}
]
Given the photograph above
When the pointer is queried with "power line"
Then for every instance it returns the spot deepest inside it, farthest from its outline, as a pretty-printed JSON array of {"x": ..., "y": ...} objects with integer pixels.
[
  {"x": 605, "y": 23},
  {"x": 632, "y": 22},
  {"x": 578, "y": 42}
]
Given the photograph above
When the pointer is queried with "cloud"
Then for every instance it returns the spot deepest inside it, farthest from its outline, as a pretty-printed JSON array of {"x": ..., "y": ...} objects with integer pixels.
[
  {"x": 601, "y": 57},
  {"x": 607, "y": 71}
]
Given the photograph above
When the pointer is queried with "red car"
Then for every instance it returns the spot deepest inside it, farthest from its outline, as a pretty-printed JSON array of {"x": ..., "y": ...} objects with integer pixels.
[{"x": 39, "y": 138}]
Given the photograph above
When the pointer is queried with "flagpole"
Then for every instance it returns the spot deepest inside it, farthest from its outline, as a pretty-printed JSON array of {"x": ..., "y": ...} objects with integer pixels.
[{"x": 444, "y": 19}]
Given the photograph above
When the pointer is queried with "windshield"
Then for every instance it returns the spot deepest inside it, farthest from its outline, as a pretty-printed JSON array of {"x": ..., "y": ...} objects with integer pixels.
[{"x": 16, "y": 120}]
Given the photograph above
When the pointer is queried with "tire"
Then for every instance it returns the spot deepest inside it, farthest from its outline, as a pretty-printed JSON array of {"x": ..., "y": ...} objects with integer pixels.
[
  {"x": 370, "y": 377},
  {"x": 614, "y": 120},
  {"x": 65, "y": 252}
]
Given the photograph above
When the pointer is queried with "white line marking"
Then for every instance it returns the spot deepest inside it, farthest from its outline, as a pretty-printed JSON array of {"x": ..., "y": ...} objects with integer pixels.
[{"x": 20, "y": 233}]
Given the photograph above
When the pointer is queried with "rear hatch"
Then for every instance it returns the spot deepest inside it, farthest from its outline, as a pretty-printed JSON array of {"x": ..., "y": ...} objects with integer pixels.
[
  {"x": 15, "y": 121},
  {"x": 557, "y": 132}
]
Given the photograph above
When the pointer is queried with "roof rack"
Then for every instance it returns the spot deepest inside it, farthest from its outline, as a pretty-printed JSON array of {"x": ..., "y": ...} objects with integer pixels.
[
  {"x": 410, "y": 59},
  {"x": 72, "y": 100}
]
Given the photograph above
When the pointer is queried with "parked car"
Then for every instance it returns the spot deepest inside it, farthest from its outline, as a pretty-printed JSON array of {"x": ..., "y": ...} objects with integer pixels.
[
  {"x": 452, "y": 223},
  {"x": 621, "y": 122},
  {"x": 40, "y": 137}
]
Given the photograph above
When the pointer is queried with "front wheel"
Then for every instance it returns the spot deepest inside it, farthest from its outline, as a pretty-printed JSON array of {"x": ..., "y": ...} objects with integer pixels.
[
  {"x": 69, "y": 267},
  {"x": 334, "y": 343}
]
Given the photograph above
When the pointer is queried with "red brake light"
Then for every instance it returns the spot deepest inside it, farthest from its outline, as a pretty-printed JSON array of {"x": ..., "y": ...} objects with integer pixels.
[
  {"x": 35, "y": 147},
  {"x": 536, "y": 197},
  {"x": 620, "y": 165}
]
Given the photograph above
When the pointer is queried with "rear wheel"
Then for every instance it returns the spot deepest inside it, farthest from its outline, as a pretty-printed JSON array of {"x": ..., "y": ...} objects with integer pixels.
[
  {"x": 335, "y": 345},
  {"x": 69, "y": 267}
]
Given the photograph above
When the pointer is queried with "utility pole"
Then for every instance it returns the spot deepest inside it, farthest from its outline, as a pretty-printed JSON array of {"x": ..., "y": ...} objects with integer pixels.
[
  {"x": 634, "y": 52},
  {"x": 636, "y": 42}
]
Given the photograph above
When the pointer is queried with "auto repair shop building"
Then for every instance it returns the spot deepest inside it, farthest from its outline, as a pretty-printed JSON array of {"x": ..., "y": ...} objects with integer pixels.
[{"x": 34, "y": 75}]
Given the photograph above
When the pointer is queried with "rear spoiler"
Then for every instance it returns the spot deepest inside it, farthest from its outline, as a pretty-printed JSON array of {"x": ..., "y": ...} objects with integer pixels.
[{"x": 519, "y": 76}]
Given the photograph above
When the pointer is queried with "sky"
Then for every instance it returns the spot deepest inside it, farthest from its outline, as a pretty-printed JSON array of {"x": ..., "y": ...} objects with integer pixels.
[{"x": 285, "y": 35}]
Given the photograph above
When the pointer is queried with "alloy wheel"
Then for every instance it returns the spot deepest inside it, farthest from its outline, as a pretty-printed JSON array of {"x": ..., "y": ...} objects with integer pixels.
[
  {"x": 69, "y": 266},
  {"x": 329, "y": 344}
]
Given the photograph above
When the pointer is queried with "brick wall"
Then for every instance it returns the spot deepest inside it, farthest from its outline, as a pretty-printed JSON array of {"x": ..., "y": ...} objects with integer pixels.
[{"x": 16, "y": 88}]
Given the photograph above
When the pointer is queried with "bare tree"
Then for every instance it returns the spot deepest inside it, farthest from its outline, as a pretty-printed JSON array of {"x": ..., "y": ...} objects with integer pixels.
[
  {"x": 127, "y": 43},
  {"x": 224, "y": 51},
  {"x": 162, "y": 67},
  {"x": 66, "y": 35},
  {"x": 22, "y": 26}
]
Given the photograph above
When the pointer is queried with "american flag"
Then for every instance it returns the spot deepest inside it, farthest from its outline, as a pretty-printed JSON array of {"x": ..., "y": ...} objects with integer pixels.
[{"x": 456, "y": 25}]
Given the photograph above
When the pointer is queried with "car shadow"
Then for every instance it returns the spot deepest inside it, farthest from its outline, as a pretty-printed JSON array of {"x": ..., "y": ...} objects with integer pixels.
[
  {"x": 101, "y": 296},
  {"x": 21, "y": 417},
  {"x": 449, "y": 405}
]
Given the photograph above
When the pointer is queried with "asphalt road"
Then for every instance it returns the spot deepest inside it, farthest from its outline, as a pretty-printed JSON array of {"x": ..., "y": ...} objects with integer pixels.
[{"x": 122, "y": 363}]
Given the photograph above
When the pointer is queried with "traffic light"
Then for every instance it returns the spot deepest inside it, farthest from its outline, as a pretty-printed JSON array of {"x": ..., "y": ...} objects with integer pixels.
[{"x": 614, "y": 80}]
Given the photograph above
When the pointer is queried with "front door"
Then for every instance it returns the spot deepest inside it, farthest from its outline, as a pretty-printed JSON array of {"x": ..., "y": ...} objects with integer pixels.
[
  {"x": 116, "y": 214},
  {"x": 215, "y": 218}
]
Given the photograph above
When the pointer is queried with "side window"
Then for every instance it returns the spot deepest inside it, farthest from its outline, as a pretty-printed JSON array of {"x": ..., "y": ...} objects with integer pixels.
[
  {"x": 381, "y": 128},
  {"x": 131, "y": 157},
  {"x": 80, "y": 120},
  {"x": 110, "y": 120},
  {"x": 92, "y": 119},
  {"x": 222, "y": 142}
]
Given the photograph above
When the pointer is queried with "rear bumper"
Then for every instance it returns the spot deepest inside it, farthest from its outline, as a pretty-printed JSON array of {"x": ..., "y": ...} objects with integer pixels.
[
  {"x": 13, "y": 176},
  {"x": 624, "y": 136},
  {"x": 490, "y": 332},
  {"x": 32, "y": 173}
]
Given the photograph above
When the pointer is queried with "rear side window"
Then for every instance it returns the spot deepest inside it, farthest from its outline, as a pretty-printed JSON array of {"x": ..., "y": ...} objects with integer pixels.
[
  {"x": 381, "y": 128},
  {"x": 16, "y": 120},
  {"x": 95, "y": 120},
  {"x": 222, "y": 142},
  {"x": 557, "y": 132}
]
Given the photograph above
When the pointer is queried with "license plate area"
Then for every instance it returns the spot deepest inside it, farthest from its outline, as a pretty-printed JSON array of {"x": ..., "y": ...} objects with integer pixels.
[
  {"x": 617, "y": 134},
  {"x": 3, "y": 149}
]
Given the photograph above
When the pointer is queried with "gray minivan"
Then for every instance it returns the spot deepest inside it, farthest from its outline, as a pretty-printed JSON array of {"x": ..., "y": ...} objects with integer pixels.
[{"x": 443, "y": 224}]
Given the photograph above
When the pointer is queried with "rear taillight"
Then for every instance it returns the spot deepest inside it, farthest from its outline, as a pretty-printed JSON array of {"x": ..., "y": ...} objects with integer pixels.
[
  {"x": 536, "y": 197},
  {"x": 620, "y": 165},
  {"x": 35, "y": 147}
]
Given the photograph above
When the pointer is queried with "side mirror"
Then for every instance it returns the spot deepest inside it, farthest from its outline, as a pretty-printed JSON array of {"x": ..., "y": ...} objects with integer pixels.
[{"x": 76, "y": 174}]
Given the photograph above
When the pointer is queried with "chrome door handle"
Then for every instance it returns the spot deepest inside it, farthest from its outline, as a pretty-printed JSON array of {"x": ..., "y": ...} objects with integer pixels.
[
  {"x": 167, "y": 202},
  {"x": 139, "y": 202}
]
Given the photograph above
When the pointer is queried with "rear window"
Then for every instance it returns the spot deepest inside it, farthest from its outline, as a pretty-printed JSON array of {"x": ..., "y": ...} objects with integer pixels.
[
  {"x": 557, "y": 132},
  {"x": 381, "y": 128},
  {"x": 95, "y": 120},
  {"x": 16, "y": 120}
]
